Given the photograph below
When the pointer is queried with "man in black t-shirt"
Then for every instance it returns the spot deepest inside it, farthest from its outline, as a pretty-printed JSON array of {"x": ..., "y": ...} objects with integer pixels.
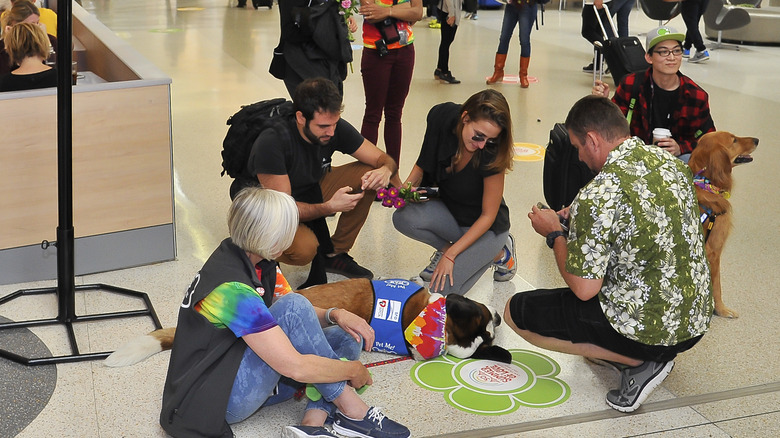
[{"x": 297, "y": 161}]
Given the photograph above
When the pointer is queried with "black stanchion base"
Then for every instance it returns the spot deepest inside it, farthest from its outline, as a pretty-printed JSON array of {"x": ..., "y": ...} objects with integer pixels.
[{"x": 69, "y": 320}]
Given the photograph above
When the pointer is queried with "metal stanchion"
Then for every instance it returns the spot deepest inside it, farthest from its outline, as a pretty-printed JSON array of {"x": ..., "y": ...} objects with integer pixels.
[{"x": 66, "y": 286}]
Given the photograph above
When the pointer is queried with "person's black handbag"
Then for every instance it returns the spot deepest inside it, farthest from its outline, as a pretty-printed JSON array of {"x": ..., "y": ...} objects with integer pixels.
[
  {"x": 278, "y": 65},
  {"x": 564, "y": 174}
]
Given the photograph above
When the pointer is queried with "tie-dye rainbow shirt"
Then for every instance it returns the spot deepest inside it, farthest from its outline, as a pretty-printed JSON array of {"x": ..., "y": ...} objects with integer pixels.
[{"x": 241, "y": 308}]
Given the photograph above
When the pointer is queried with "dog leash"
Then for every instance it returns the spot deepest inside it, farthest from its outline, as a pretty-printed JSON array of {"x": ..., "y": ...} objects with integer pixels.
[
  {"x": 388, "y": 361},
  {"x": 301, "y": 392},
  {"x": 707, "y": 214}
]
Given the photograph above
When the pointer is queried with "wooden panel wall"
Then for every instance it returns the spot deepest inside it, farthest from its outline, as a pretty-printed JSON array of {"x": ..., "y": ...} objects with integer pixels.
[{"x": 121, "y": 164}]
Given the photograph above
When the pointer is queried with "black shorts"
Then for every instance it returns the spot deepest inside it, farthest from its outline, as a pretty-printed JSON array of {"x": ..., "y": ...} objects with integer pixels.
[{"x": 558, "y": 313}]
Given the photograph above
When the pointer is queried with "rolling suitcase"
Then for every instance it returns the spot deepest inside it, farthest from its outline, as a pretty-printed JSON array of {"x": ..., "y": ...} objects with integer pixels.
[
  {"x": 563, "y": 174},
  {"x": 623, "y": 55}
]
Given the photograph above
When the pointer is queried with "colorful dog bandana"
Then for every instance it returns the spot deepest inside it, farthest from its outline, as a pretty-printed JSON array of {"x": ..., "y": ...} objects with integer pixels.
[{"x": 426, "y": 333}]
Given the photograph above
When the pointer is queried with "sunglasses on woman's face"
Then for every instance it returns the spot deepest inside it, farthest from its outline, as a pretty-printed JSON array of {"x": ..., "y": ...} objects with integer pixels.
[{"x": 482, "y": 137}]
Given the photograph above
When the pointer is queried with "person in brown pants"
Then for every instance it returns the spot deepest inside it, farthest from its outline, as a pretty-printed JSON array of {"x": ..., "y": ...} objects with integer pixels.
[{"x": 295, "y": 157}]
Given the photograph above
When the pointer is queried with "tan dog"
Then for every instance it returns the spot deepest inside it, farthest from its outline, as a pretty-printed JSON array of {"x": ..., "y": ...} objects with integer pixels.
[
  {"x": 712, "y": 161},
  {"x": 469, "y": 325}
]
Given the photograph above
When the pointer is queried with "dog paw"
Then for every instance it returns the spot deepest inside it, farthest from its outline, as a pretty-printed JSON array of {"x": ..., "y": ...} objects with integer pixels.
[{"x": 725, "y": 312}]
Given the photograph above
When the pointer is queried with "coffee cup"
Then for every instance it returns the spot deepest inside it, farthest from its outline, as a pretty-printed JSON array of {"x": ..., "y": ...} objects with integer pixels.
[{"x": 660, "y": 134}]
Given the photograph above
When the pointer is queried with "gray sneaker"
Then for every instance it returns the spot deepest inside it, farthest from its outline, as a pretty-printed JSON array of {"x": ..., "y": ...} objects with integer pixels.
[
  {"x": 700, "y": 56},
  {"x": 636, "y": 384},
  {"x": 427, "y": 273}
]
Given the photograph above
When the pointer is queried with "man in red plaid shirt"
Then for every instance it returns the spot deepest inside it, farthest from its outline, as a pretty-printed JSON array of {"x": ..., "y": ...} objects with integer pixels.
[{"x": 663, "y": 97}]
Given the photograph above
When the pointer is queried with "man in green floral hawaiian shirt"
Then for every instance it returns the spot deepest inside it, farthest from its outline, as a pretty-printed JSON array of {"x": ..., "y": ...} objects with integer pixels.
[{"x": 638, "y": 280}]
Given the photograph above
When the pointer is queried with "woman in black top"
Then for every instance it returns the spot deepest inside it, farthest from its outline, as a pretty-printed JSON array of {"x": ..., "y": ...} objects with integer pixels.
[
  {"x": 27, "y": 46},
  {"x": 466, "y": 151}
]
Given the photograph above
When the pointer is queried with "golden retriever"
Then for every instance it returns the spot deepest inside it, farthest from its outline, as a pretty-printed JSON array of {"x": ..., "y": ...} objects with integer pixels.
[{"x": 712, "y": 161}]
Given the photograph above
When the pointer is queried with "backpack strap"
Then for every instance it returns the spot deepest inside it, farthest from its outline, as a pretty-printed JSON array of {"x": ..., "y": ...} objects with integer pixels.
[{"x": 634, "y": 96}]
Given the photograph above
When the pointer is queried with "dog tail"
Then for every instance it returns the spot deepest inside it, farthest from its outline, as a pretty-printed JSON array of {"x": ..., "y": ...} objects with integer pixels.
[{"x": 142, "y": 347}]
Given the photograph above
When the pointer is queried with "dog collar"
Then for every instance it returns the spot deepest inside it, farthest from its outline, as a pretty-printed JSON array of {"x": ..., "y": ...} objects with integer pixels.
[{"x": 704, "y": 183}]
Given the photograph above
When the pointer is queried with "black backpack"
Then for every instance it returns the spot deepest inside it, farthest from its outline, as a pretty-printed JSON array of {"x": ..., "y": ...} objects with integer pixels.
[
  {"x": 245, "y": 126},
  {"x": 564, "y": 173}
]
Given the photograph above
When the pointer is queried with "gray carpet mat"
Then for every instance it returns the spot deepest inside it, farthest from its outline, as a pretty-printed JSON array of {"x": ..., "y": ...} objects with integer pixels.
[{"x": 24, "y": 390}]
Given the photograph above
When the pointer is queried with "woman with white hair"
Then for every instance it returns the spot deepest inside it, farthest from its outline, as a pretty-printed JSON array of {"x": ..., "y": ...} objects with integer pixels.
[{"x": 243, "y": 341}]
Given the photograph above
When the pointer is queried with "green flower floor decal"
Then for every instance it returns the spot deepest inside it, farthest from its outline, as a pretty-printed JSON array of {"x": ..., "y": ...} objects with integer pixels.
[{"x": 493, "y": 388}]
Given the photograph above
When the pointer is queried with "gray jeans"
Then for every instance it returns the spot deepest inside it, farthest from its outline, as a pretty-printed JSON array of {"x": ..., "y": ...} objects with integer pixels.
[{"x": 432, "y": 223}]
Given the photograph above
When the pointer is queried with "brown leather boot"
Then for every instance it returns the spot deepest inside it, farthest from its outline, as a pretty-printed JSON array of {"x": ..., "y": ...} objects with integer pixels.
[
  {"x": 498, "y": 69},
  {"x": 524, "y": 60}
]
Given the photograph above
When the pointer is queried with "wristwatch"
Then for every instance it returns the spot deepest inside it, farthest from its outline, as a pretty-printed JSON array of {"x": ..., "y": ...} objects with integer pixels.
[{"x": 552, "y": 236}]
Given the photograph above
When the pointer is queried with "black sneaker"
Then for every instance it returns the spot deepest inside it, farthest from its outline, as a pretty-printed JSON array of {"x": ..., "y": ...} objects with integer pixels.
[
  {"x": 588, "y": 68},
  {"x": 636, "y": 384},
  {"x": 306, "y": 431},
  {"x": 345, "y": 265},
  {"x": 373, "y": 425},
  {"x": 448, "y": 78},
  {"x": 437, "y": 73}
]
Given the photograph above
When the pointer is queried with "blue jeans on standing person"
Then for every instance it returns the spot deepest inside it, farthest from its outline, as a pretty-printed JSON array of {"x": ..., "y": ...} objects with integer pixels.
[
  {"x": 255, "y": 380},
  {"x": 432, "y": 223},
  {"x": 525, "y": 17}
]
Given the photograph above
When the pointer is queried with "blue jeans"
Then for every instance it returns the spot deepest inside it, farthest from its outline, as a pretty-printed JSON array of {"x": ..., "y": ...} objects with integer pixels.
[
  {"x": 525, "y": 17},
  {"x": 255, "y": 380},
  {"x": 432, "y": 223},
  {"x": 621, "y": 9}
]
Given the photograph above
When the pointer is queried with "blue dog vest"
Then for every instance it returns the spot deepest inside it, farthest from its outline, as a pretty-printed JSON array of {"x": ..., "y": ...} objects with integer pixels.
[{"x": 390, "y": 297}]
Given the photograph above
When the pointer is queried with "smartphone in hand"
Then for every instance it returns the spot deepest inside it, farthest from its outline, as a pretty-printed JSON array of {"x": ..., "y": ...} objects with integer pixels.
[{"x": 564, "y": 221}]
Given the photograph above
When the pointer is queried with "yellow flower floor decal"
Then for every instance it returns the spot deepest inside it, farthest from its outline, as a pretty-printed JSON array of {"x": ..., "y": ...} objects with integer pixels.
[{"x": 493, "y": 388}]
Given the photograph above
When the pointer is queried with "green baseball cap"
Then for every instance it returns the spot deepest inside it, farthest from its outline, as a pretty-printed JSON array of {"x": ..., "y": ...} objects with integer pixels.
[{"x": 662, "y": 33}]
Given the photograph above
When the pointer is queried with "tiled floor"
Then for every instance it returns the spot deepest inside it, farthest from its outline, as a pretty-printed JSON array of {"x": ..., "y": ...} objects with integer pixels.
[{"x": 218, "y": 58}]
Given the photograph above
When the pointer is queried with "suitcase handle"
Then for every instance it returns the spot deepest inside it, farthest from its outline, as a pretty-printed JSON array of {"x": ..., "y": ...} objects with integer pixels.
[
  {"x": 601, "y": 25},
  {"x": 598, "y": 57}
]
